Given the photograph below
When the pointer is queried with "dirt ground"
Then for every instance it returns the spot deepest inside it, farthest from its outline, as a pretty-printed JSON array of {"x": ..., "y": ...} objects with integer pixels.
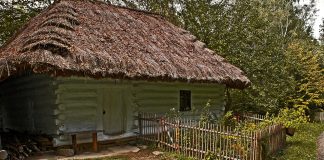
[
  {"x": 141, "y": 155},
  {"x": 114, "y": 153}
]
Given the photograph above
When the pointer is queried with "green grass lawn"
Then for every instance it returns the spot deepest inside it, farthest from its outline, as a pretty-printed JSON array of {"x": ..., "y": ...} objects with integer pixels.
[{"x": 302, "y": 146}]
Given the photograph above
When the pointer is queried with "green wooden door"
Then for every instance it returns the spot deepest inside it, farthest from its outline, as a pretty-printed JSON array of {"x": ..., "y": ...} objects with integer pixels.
[{"x": 113, "y": 111}]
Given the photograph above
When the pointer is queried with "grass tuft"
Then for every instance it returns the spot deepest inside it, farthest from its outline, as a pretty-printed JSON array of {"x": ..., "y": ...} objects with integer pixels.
[{"x": 302, "y": 145}]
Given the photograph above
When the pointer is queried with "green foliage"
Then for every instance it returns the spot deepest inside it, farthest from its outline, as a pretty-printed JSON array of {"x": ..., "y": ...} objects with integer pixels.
[
  {"x": 292, "y": 117},
  {"x": 302, "y": 145},
  {"x": 174, "y": 113},
  {"x": 288, "y": 117},
  {"x": 206, "y": 116},
  {"x": 304, "y": 65},
  {"x": 211, "y": 156},
  {"x": 262, "y": 53},
  {"x": 168, "y": 156},
  {"x": 228, "y": 120},
  {"x": 248, "y": 127},
  {"x": 15, "y": 13},
  {"x": 321, "y": 38}
]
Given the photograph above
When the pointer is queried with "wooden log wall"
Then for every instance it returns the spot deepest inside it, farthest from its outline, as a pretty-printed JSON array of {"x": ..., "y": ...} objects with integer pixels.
[
  {"x": 28, "y": 104},
  {"x": 70, "y": 104}
]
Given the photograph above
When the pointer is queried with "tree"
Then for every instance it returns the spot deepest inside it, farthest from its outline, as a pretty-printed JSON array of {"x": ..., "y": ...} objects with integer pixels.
[
  {"x": 255, "y": 39},
  {"x": 305, "y": 66},
  {"x": 321, "y": 37},
  {"x": 15, "y": 13}
]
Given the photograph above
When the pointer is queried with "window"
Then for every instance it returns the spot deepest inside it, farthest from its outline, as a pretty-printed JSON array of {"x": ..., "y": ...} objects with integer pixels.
[{"x": 185, "y": 100}]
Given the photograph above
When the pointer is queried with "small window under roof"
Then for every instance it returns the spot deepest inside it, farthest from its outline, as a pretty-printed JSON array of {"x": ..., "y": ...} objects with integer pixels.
[{"x": 185, "y": 100}]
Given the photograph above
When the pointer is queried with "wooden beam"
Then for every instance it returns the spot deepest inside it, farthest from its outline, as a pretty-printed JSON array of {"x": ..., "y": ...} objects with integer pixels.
[
  {"x": 74, "y": 143},
  {"x": 140, "y": 125},
  {"x": 94, "y": 142}
]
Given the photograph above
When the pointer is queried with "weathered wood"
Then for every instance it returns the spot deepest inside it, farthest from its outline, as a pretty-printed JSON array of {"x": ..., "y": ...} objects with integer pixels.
[
  {"x": 140, "y": 125},
  {"x": 196, "y": 139},
  {"x": 74, "y": 143},
  {"x": 29, "y": 104},
  {"x": 320, "y": 147},
  {"x": 319, "y": 116},
  {"x": 95, "y": 142}
]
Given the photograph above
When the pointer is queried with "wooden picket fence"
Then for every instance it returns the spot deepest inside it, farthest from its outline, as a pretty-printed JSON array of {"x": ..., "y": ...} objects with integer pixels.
[
  {"x": 319, "y": 116},
  {"x": 202, "y": 140},
  {"x": 273, "y": 136},
  {"x": 254, "y": 118}
]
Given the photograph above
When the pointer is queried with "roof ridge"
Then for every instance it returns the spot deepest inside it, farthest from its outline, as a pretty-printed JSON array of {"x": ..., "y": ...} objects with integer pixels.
[{"x": 118, "y": 6}]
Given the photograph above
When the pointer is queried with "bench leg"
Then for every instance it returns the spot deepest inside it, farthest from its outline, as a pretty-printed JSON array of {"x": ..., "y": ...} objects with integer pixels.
[
  {"x": 74, "y": 143},
  {"x": 95, "y": 142}
]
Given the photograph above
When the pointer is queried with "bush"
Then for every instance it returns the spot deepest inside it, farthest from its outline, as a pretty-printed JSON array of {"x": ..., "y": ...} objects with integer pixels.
[{"x": 292, "y": 117}]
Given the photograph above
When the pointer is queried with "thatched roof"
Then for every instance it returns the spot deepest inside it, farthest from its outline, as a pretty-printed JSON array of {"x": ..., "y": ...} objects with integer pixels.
[{"x": 88, "y": 38}]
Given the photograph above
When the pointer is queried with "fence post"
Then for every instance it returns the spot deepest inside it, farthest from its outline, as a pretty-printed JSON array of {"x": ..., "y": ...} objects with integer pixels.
[
  {"x": 140, "y": 125},
  {"x": 177, "y": 136},
  {"x": 258, "y": 155},
  {"x": 163, "y": 138},
  {"x": 159, "y": 129}
]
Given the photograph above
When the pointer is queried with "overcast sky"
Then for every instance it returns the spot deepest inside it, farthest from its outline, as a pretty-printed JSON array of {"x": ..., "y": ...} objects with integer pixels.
[
  {"x": 320, "y": 15},
  {"x": 320, "y": 6}
]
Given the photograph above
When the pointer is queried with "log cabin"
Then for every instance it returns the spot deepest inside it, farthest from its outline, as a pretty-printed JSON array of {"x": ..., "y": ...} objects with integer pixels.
[{"x": 86, "y": 66}]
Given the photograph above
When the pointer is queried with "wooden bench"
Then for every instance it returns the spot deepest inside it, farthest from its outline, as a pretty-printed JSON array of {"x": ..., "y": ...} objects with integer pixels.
[{"x": 75, "y": 143}]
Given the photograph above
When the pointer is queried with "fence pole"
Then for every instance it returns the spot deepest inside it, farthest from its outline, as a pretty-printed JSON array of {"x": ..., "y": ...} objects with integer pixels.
[
  {"x": 159, "y": 125},
  {"x": 259, "y": 147},
  {"x": 177, "y": 136},
  {"x": 140, "y": 126},
  {"x": 195, "y": 139},
  {"x": 253, "y": 144},
  {"x": 162, "y": 133}
]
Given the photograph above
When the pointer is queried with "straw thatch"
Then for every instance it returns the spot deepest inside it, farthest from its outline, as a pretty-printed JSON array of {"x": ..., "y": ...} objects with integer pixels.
[{"x": 88, "y": 38}]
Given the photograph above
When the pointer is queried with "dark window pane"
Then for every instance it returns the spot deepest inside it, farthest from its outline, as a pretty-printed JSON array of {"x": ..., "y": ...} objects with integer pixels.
[{"x": 185, "y": 100}]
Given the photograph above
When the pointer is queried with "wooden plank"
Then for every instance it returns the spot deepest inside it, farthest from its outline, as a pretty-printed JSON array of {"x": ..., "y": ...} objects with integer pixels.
[
  {"x": 201, "y": 139},
  {"x": 74, "y": 143},
  {"x": 140, "y": 125},
  {"x": 95, "y": 142},
  {"x": 191, "y": 138},
  {"x": 196, "y": 139},
  {"x": 226, "y": 142},
  {"x": 214, "y": 139}
]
